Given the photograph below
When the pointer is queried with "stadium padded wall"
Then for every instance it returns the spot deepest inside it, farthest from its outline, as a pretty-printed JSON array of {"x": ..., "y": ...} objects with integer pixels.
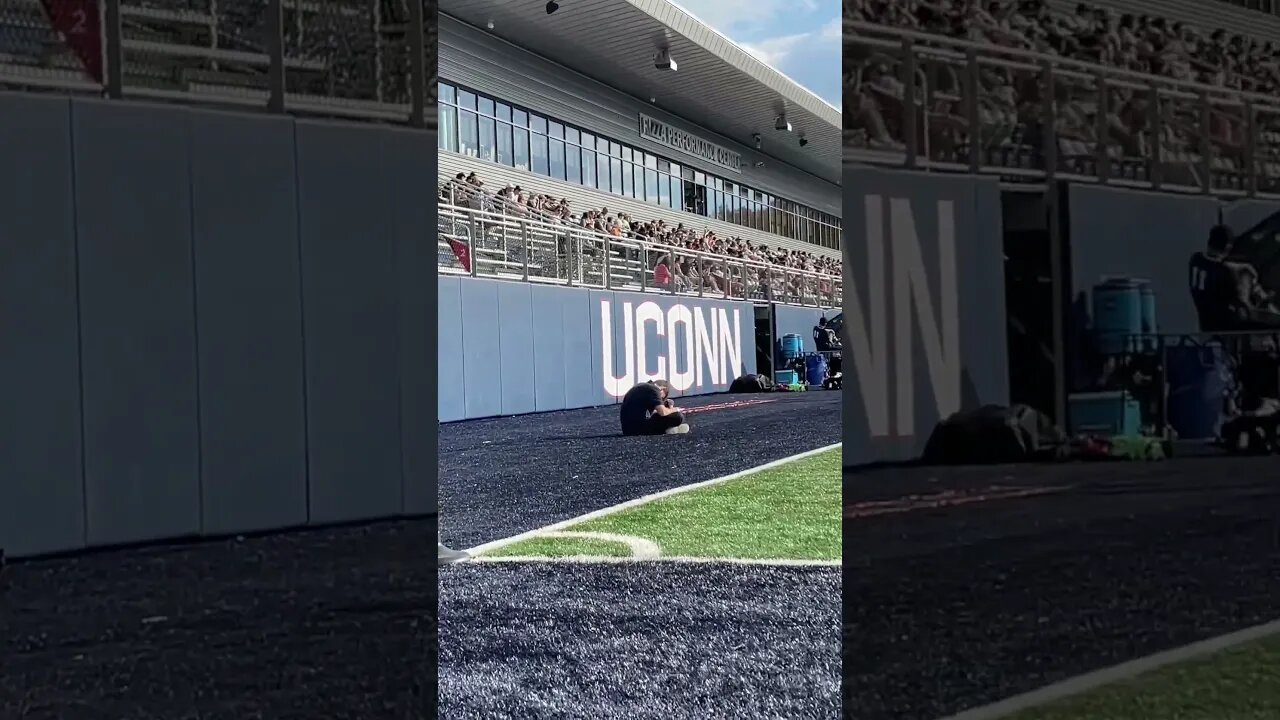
[
  {"x": 214, "y": 323},
  {"x": 924, "y": 313},
  {"x": 511, "y": 348}
]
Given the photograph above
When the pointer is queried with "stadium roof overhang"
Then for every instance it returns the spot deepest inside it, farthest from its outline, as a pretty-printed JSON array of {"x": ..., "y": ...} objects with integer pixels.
[{"x": 717, "y": 84}]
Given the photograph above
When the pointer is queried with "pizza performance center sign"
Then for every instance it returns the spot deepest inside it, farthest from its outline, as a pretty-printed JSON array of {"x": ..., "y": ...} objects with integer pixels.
[{"x": 677, "y": 139}]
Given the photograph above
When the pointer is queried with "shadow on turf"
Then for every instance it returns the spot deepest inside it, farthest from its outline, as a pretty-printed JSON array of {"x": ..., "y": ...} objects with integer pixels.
[{"x": 186, "y": 541}]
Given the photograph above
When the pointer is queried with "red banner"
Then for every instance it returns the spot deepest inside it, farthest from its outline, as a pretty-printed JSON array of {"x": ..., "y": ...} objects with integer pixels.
[
  {"x": 80, "y": 26},
  {"x": 462, "y": 252}
]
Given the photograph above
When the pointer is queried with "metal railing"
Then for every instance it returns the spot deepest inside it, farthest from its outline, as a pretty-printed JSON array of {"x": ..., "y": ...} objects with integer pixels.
[
  {"x": 364, "y": 59},
  {"x": 492, "y": 244},
  {"x": 927, "y": 101}
]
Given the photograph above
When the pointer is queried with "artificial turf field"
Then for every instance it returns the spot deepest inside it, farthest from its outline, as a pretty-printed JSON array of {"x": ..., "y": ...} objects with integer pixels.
[
  {"x": 789, "y": 512},
  {"x": 1242, "y": 683},
  {"x": 545, "y": 637}
]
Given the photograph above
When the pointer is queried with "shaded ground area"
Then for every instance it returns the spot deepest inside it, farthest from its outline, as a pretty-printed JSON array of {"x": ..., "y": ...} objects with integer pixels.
[
  {"x": 504, "y": 476},
  {"x": 317, "y": 624},
  {"x": 953, "y": 606},
  {"x": 641, "y": 642}
]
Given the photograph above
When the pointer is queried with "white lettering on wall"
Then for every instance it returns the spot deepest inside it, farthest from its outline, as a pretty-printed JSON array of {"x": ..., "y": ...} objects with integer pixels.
[
  {"x": 695, "y": 351},
  {"x": 867, "y": 334}
]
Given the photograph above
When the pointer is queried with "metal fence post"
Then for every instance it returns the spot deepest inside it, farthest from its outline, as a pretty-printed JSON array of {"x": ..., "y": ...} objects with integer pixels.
[
  {"x": 1102, "y": 141},
  {"x": 973, "y": 109},
  {"x": 526, "y": 243},
  {"x": 1250, "y": 148},
  {"x": 1156, "y": 148},
  {"x": 1206, "y": 142},
  {"x": 417, "y": 65},
  {"x": 113, "y": 39},
  {"x": 608, "y": 264},
  {"x": 275, "y": 53},
  {"x": 1049, "y": 132},
  {"x": 908, "y": 80}
]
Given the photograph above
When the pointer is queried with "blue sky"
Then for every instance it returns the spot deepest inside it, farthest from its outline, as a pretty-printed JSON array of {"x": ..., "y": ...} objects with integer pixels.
[{"x": 801, "y": 38}]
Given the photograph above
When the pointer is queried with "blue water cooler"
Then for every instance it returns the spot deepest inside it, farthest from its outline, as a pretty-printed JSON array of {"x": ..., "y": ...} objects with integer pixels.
[
  {"x": 1117, "y": 314},
  {"x": 792, "y": 347}
]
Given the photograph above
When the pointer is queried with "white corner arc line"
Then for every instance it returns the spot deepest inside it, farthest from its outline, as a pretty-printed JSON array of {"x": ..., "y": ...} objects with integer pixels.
[
  {"x": 554, "y": 527},
  {"x": 1117, "y": 673},
  {"x": 641, "y": 548},
  {"x": 676, "y": 559}
]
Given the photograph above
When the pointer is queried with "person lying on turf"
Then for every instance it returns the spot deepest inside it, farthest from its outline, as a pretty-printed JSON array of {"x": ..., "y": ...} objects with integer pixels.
[{"x": 646, "y": 410}]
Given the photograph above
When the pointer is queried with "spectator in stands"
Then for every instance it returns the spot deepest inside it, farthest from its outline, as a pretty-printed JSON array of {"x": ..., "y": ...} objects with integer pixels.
[
  {"x": 468, "y": 190},
  {"x": 1010, "y": 106}
]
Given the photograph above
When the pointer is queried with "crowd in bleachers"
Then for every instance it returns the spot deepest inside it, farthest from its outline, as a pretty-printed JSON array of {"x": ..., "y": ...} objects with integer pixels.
[
  {"x": 469, "y": 190},
  {"x": 1009, "y": 109}
]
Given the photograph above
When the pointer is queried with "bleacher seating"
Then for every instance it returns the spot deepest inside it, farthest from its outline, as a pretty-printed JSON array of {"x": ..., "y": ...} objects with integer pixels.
[
  {"x": 495, "y": 235},
  {"x": 341, "y": 56},
  {"x": 1113, "y": 114}
]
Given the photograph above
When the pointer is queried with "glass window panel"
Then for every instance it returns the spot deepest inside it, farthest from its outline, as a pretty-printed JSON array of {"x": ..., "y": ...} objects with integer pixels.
[
  {"x": 485, "y": 105},
  {"x": 487, "y": 144},
  {"x": 504, "y": 144},
  {"x": 447, "y": 92},
  {"x": 556, "y": 159},
  {"x": 571, "y": 135},
  {"x": 448, "y": 139},
  {"x": 651, "y": 185},
  {"x": 638, "y": 171},
  {"x": 628, "y": 188},
  {"x": 615, "y": 175},
  {"x": 588, "y": 141},
  {"x": 588, "y": 167},
  {"x": 537, "y": 124},
  {"x": 521, "y": 148},
  {"x": 615, "y": 149},
  {"x": 467, "y": 99},
  {"x": 555, "y": 129},
  {"x": 504, "y": 112},
  {"x": 664, "y": 190},
  {"x": 538, "y": 154},
  {"x": 468, "y": 134},
  {"x": 520, "y": 117},
  {"x": 572, "y": 164},
  {"x": 650, "y": 161},
  {"x": 602, "y": 167}
]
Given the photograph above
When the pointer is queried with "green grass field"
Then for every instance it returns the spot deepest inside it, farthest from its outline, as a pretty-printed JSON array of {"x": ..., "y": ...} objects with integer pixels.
[
  {"x": 789, "y": 512},
  {"x": 1238, "y": 684}
]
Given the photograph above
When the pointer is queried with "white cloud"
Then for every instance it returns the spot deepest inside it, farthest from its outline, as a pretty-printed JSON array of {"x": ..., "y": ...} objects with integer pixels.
[
  {"x": 737, "y": 16},
  {"x": 811, "y": 58}
]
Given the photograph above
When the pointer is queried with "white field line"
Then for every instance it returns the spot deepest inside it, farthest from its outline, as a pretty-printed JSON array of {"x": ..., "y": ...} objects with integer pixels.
[
  {"x": 641, "y": 548},
  {"x": 1118, "y": 673},
  {"x": 564, "y": 524},
  {"x": 622, "y": 560}
]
